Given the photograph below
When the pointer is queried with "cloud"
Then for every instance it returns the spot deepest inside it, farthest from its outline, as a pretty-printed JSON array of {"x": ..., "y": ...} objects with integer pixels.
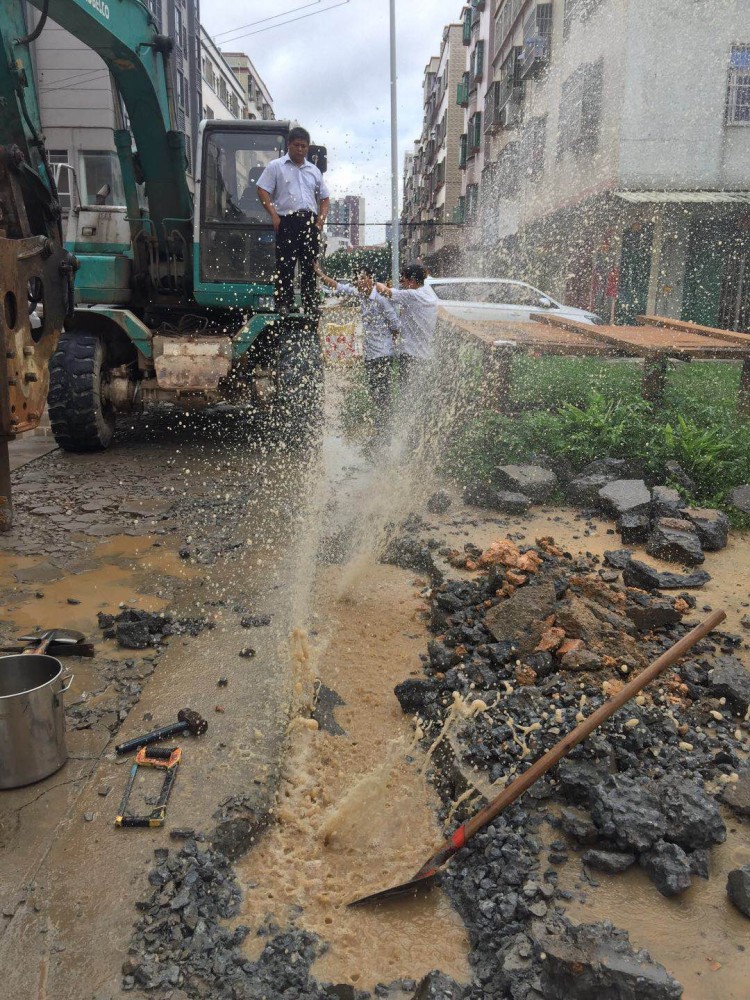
[{"x": 331, "y": 72}]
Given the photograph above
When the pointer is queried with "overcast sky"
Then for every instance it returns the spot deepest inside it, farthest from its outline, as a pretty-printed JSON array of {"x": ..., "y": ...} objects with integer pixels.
[{"x": 331, "y": 72}]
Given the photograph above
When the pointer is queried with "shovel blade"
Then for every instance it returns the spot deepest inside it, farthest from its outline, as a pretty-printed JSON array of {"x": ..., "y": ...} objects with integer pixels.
[
  {"x": 414, "y": 887},
  {"x": 68, "y": 636}
]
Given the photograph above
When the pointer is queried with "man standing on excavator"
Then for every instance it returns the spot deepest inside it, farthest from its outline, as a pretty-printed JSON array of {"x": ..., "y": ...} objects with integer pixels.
[{"x": 294, "y": 194}]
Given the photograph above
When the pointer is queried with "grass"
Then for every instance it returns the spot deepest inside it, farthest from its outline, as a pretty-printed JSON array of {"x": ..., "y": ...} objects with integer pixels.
[{"x": 581, "y": 409}]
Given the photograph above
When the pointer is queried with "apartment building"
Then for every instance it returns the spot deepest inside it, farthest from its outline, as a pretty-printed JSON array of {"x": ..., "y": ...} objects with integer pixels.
[
  {"x": 617, "y": 155},
  {"x": 77, "y": 106},
  {"x": 258, "y": 100},
  {"x": 432, "y": 174},
  {"x": 224, "y": 96},
  {"x": 475, "y": 148},
  {"x": 346, "y": 219}
]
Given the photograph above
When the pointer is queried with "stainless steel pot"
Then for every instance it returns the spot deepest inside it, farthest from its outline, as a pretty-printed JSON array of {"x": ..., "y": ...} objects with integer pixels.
[{"x": 32, "y": 718}]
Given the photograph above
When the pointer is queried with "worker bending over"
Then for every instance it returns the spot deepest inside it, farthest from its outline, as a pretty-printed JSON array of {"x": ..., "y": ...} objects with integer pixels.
[{"x": 418, "y": 314}]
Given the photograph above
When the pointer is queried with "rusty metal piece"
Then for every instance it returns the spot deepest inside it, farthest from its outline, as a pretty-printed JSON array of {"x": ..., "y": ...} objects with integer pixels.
[
  {"x": 6, "y": 503},
  {"x": 25, "y": 379}
]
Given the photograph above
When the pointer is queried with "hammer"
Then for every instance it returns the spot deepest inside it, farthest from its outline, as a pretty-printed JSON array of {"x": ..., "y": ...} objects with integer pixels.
[{"x": 188, "y": 721}]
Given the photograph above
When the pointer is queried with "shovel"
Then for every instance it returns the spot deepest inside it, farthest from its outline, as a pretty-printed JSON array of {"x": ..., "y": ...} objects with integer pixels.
[
  {"x": 53, "y": 641},
  {"x": 423, "y": 879}
]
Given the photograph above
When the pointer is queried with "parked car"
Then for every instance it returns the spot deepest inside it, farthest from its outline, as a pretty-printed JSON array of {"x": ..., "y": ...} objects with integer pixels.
[{"x": 501, "y": 299}]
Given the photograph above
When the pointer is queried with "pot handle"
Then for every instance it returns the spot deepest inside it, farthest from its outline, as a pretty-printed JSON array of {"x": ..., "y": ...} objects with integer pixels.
[{"x": 69, "y": 679}]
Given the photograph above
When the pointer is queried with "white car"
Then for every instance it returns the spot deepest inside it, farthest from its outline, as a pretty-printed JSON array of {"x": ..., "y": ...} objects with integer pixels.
[{"x": 500, "y": 299}]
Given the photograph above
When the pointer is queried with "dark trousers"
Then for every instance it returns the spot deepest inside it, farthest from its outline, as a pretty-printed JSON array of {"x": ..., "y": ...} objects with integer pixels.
[
  {"x": 298, "y": 239},
  {"x": 408, "y": 371},
  {"x": 378, "y": 373}
]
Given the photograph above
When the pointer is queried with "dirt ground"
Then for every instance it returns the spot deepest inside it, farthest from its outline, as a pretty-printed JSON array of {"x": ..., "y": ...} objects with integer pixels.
[{"x": 186, "y": 516}]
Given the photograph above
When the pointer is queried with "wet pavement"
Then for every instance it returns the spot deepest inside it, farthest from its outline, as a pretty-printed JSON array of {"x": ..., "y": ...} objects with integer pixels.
[{"x": 192, "y": 517}]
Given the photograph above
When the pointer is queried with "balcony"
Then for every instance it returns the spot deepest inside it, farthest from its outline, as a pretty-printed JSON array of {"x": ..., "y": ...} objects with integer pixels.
[
  {"x": 503, "y": 102},
  {"x": 477, "y": 64},
  {"x": 537, "y": 40},
  {"x": 467, "y": 26},
  {"x": 462, "y": 94}
]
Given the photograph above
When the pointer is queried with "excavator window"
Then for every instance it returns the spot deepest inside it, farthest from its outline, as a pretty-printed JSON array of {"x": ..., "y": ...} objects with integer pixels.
[{"x": 236, "y": 239}]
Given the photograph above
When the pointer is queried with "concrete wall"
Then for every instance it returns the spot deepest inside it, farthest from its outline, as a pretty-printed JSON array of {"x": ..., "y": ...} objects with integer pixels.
[{"x": 674, "y": 134}]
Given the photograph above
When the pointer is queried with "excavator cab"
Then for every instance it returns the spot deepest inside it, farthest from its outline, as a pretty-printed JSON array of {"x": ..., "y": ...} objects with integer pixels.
[{"x": 234, "y": 259}]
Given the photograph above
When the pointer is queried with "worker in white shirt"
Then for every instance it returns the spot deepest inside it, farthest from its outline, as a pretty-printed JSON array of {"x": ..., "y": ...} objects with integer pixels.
[
  {"x": 380, "y": 324},
  {"x": 418, "y": 313},
  {"x": 294, "y": 194}
]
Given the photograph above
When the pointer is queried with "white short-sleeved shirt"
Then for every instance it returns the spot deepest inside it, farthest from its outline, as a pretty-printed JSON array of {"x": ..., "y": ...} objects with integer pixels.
[
  {"x": 379, "y": 321},
  {"x": 419, "y": 314},
  {"x": 293, "y": 188}
]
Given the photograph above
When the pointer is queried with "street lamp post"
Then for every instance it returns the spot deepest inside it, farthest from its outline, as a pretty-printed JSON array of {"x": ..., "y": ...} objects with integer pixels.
[{"x": 395, "y": 235}]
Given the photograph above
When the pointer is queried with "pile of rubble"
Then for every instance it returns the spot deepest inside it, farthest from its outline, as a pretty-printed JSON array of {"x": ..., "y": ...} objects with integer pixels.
[
  {"x": 532, "y": 643},
  {"x": 137, "y": 629},
  {"x": 658, "y": 517}
]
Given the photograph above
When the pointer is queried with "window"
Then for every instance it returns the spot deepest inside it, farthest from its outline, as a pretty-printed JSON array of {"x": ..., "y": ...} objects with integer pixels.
[
  {"x": 181, "y": 90},
  {"x": 738, "y": 92},
  {"x": 463, "y": 151},
  {"x": 477, "y": 62},
  {"x": 475, "y": 132},
  {"x": 236, "y": 239},
  {"x": 467, "y": 26},
  {"x": 462, "y": 97},
  {"x": 100, "y": 178},
  {"x": 504, "y": 21},
  {"x": 58, "y": 159},
  {"x": 178, "y": 26},
  {"x": 580, "y": 109},
  {"x": 537, "y": 39}
]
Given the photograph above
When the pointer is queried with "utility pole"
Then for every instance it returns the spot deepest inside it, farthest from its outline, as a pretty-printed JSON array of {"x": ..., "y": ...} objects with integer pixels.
[{"x": 395, "y": 228}]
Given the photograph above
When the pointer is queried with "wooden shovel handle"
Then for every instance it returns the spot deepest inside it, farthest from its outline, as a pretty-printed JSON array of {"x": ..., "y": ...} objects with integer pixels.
[{"x": 524, "y": 781}]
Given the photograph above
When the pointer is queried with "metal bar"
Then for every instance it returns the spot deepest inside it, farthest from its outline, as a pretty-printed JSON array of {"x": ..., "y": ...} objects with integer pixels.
[
  {"x": 6, "y": 500},
  {"x": 395, "y": 235}
]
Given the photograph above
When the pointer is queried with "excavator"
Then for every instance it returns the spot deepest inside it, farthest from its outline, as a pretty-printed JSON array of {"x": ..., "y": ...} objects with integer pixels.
[{"x": 168, "y": 298}]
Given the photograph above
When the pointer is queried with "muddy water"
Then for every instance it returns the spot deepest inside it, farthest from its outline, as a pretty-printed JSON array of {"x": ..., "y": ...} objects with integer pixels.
[
  {"x": 122, "y": 570},
  {"x": 353, "y": 815},
  {"x": 699, "y": 937}
]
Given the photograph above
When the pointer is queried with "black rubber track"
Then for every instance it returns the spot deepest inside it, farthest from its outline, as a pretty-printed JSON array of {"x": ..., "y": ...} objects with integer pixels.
[{"x": 80, "y": 422}]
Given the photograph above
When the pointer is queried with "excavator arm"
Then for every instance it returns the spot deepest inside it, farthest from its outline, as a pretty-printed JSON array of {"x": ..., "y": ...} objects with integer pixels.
[{"x": 124, "y": 34}]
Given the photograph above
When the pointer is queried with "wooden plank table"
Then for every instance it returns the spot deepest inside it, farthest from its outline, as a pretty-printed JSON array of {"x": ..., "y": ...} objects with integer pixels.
[{"x": 656, "y": 340}]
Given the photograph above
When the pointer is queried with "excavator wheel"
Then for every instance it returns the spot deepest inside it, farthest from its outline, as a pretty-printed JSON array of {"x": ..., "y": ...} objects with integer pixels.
[
  {"x": 297, "y": 415},
  {"x": 81, "y": 416}
]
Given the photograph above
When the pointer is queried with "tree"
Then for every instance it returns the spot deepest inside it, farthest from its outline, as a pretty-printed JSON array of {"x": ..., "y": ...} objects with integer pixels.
[{"x": 348, "y": 263}]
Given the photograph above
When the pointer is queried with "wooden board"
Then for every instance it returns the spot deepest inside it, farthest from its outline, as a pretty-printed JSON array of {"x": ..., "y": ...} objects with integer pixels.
[{"x": 732, "y": 336}]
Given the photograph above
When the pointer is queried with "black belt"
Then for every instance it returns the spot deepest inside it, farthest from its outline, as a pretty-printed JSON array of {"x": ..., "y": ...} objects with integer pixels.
[{"x": 303, "y": 212}]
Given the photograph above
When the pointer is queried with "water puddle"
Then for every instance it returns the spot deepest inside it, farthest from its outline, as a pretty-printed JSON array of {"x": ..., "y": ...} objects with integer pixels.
[
  {"x": 699, "y": 937},
  {"x": 354, "y": 815}
]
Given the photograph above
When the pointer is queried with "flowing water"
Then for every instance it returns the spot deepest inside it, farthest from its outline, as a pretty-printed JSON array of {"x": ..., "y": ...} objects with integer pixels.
[{"x": 354, "y": 814}]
